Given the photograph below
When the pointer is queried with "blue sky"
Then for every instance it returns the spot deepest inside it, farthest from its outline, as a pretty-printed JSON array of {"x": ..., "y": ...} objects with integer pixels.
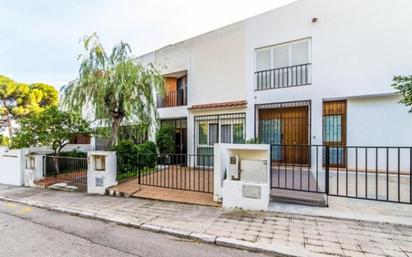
[{"x": 39, "y": 40}]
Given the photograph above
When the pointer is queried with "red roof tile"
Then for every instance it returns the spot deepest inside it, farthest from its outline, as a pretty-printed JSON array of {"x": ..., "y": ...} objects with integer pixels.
[{"x": 232, "y": 104}]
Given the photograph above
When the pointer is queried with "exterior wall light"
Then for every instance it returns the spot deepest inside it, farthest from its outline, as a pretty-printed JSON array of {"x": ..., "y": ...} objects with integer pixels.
[
  {"x": 100, "y": 162},
  {"x": 30, "y": 162}
]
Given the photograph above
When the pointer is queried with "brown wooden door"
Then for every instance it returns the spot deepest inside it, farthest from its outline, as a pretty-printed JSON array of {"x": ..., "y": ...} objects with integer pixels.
[
  {"x": 293, "y": 125},
  {"x": 295, "y": 135}
]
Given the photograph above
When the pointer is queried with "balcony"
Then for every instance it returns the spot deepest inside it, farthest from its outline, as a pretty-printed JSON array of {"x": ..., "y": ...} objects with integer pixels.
[
  {"x": 172, "y": 99},
  {"x": 297, "y": 75}
]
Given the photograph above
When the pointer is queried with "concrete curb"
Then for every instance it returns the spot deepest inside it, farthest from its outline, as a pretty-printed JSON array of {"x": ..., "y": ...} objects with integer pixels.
[{"x": 205, "y": 238}]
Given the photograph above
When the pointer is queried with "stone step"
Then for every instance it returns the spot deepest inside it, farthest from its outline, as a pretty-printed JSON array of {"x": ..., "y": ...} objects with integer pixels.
[{"x": 298, "y": 197}]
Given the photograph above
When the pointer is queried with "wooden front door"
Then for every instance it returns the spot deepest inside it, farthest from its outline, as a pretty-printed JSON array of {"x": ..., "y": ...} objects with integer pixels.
[
  {"x": 295, "y": 135},
  {"x": 288, "y": 129}
]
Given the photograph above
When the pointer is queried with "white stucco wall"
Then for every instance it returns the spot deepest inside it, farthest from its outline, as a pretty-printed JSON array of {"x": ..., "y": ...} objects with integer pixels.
[
  {"x": 12, "y": 164},
  {"x": 214, "y": 61},
  {"x": 356, "y": 49},
  {"x": 378, "y": 121}
]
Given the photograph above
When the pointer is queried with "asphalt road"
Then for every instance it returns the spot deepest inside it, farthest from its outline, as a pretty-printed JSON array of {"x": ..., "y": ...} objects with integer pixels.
[{"x": 28, "y": 231}]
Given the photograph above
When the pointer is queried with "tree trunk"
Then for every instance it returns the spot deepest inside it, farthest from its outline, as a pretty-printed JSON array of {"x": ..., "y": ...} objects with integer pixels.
[
  {"x": 115, "y": 131},
  {"x": 56, "y": 162},
  {"x": 10, "y": 127}
]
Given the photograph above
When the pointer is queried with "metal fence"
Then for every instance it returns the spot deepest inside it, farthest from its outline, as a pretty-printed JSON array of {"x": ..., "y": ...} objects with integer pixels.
[
  {"x": 381, "y": 173},
  {"x": 172, "y": 99},
  {"x": 66, "y": 169},
  {"x": 297, "y": 75},
  {"x": 190, "y": 172}
]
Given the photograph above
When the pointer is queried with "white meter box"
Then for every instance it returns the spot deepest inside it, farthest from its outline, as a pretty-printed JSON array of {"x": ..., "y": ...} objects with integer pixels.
[{"x": 254, "y": 171}]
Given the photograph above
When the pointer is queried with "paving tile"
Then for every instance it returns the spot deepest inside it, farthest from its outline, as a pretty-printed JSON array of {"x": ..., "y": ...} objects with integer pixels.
[{"x": 315, "y": 234}]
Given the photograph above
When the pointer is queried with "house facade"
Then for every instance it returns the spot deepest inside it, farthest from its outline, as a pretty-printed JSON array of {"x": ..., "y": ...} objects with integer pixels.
[{"x": 314, "y": 72}]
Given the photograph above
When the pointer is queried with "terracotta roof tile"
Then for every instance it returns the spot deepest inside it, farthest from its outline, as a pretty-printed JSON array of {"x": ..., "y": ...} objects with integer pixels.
[{"x": 231, "y": 104}]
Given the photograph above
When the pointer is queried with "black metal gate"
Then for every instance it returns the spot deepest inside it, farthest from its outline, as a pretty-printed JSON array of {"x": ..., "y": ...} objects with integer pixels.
[
  {"x": 380, "y": 173},
  {"x": 190, "y": 172},
  {"x": 66, "y": 169}
]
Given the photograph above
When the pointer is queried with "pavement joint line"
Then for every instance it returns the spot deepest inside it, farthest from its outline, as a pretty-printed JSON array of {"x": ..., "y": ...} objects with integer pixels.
[{"x": 232, "y": 243}]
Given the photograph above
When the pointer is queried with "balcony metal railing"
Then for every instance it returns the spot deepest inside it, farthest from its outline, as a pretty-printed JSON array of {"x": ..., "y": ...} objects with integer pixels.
[
  {"x": 172, "y": 99},
  {"x": 297, "y": 75}
]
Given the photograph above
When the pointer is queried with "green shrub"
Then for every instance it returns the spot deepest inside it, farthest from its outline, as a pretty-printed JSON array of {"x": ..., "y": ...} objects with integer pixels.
[
  {"x": 165, "y": 140},
  {"x": 4, "y": 140},
  {"x": 131, "y": 156},
  {"x": 147, "y": 154},
  {"x": 74, "y": 154},
  {"x": 253, "y": 141}
]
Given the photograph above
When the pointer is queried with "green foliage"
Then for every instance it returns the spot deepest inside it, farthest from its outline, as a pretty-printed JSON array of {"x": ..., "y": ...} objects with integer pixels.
[
  {"x": 19, "y": 100},
  {"x": 74, "y": 153},
  {"x": 165, "y": 140},
  {"x": 115, "y": 86},
  {"x": 404, "y": 85},
  {"x": 4, "y": 141},
  {"x": 131, "y": 156},
  {"x": 253, "y": 141},
  {"x": 135, "y": 133},
  {"x": 52, "y": 128}
]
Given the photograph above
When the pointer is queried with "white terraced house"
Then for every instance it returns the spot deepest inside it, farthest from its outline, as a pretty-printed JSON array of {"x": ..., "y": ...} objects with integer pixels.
[{"x": 314, "y": 72}]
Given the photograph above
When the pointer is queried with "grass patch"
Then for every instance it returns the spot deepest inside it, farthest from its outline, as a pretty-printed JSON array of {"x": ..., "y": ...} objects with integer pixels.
[{"x": 135, "y": 173}]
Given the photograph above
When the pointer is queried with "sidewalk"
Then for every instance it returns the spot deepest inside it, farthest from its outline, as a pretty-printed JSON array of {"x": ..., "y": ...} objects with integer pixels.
[{"x": 276, "y": 232}]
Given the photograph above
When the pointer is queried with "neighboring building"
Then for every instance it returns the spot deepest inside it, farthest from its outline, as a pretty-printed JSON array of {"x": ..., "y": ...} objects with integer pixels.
[{"x": 312, "y": 72}]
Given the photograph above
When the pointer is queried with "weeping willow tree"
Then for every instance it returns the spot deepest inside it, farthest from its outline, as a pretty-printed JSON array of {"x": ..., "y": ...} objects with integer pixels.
[{"x": 115, "y": 87}]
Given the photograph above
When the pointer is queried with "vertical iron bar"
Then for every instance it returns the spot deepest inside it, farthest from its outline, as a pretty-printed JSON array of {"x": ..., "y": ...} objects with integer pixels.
[
  {"x": 366, "y": 172},
  {"x": 399, "y": 174},
  {"x": 337, "y": 170},
  {"x": 377, "y": 175},
  {"x": 356, "y": 170},
  {"x": 327, "y": 153},
  {"x": 387, "y": 173},
  {"x": 410, "y": 175},
  {"x": 317, "y": 166}
]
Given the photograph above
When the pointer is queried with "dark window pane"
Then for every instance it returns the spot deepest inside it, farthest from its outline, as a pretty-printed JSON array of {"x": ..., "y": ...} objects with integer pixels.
[
  {"x": 238, "y": 134},
  {"x": 213, "y": 134},
  {"x": 226, "y": 131}
]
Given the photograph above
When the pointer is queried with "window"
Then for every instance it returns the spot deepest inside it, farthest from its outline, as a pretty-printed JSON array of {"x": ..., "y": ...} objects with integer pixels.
[
  {"x": 334, "y": 131},
  {"x": 219, "y": 128},
  {"x": 238, "y": 133},
  {"x": 226, "y": 133},
  {"x": 280, "y": 57},
  {"x": 300, "y": 53},
  {"x": 284, "y": 55},
  {"x": 333, "y": 128},
  {"x": 283, "y": 65},
  {"x": 213, "y": 134},
  {"x": 232, "y": 133},
  {"x": 203, "y": 133},
  {"x": 263, "y": 60}
]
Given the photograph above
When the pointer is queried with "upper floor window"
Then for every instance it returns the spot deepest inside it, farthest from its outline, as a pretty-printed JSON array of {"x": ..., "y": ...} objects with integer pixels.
[{"x": 283, "y": 65}]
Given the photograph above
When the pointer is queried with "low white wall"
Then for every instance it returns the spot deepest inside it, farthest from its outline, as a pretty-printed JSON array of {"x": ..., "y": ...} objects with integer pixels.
[
  {"x": 67, "y": 148},
  {"x": 12, "y": 164},
  {"x": 231, "y": 191}
]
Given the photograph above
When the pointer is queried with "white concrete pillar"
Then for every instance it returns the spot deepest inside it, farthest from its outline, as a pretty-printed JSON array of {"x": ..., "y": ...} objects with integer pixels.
[{"x": 101, "y": 171}]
